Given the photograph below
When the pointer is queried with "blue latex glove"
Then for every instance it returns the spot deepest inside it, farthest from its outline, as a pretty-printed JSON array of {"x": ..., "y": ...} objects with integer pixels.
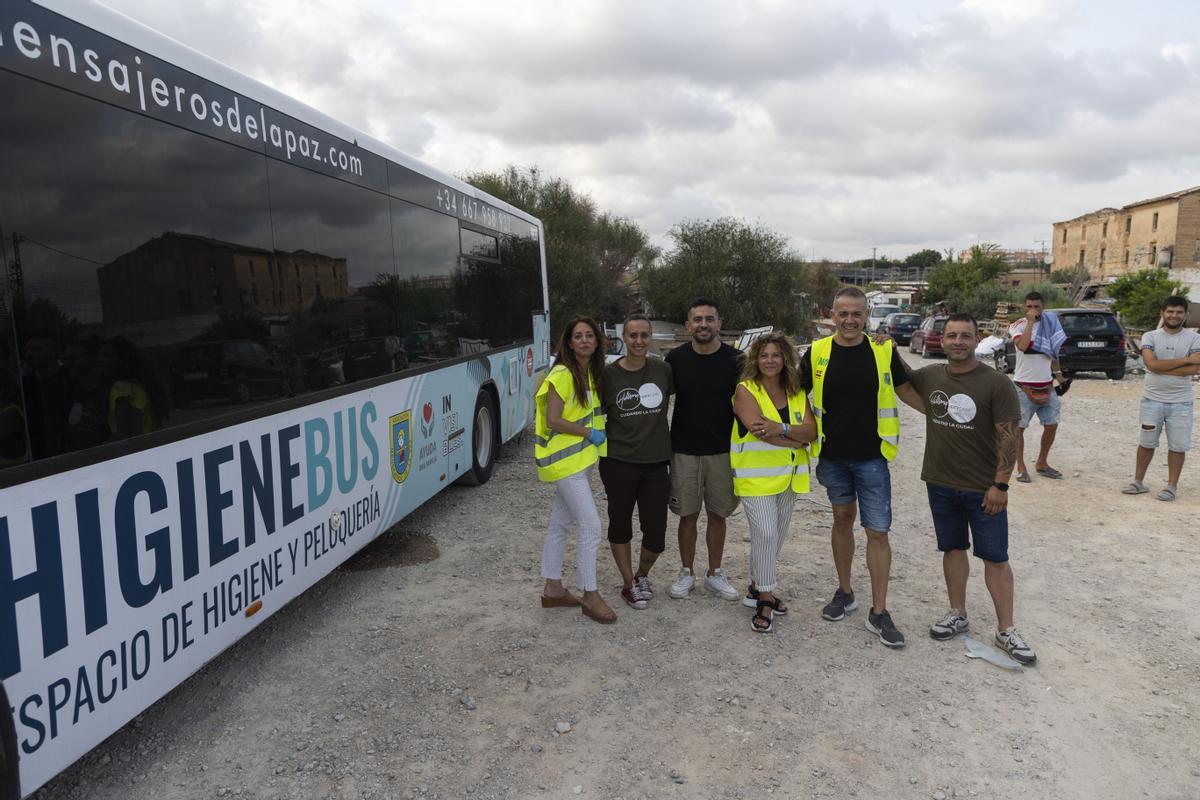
[{"x": 596, "y": 437}]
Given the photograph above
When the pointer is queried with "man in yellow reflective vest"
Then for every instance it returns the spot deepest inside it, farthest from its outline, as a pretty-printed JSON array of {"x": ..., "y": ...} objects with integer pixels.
[{"x": 853, "y": 383}]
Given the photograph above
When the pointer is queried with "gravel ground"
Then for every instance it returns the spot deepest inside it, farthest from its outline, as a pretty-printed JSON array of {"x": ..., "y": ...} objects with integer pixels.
[{"x": 426, "y": 668}]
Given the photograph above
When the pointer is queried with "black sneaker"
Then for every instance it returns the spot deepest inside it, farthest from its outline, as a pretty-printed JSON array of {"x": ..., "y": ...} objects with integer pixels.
[
  {"x": 841, "y": 605},
  {"x": 882, "y": 624}
]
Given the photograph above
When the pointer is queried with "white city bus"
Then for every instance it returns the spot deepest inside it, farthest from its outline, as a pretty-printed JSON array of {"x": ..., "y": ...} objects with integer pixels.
[{"x": 238, "y": 340}]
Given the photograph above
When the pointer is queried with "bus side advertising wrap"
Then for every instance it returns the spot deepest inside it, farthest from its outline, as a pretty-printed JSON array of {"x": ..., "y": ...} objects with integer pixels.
[{"x": 118, "y": 583}]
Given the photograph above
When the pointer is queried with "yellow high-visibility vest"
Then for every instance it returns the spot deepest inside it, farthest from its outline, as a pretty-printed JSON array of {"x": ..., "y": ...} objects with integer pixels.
[
  {"x": 761, "y": 468},
  {"x": 888, "y": 414},
  {"x": 560, "y": 454}
]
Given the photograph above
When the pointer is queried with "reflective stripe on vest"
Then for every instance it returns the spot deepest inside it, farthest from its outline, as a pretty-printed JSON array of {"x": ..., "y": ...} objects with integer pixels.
[
  {"x": 585, "y": 421},
  {"x": 761, "y": 468},
  {"x": 887, "y": 423},
  {"x": 558, "y": 455}
]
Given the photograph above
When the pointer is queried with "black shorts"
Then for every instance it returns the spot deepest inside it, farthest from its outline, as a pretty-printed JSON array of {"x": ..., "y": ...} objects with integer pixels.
[{"x": 646, "y": 485}]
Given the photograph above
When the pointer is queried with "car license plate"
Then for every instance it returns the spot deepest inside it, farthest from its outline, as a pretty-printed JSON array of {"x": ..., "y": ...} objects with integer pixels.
[{"x": 1091, "y": 344}]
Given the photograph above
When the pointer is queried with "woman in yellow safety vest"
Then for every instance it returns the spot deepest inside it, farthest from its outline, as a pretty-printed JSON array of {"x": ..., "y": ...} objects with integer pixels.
[
  {"x": 569, "y": 440},
  {"x": 768, "y": 452}
]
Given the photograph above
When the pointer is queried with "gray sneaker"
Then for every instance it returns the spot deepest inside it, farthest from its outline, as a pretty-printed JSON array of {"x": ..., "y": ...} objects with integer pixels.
[
  {"x": 949, "y": 626},
  {"x": 642, "y": 582},
  {"x": 841, "y": 605},
  {"x": 1011, "y": 642}
]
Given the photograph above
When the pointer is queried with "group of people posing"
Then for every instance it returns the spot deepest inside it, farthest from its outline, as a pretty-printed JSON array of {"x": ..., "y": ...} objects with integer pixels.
[{"x": 752, "y": 428}]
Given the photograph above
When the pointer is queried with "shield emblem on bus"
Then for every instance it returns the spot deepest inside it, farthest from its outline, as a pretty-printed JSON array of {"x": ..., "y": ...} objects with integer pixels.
[{"x": 401, "y": 437}]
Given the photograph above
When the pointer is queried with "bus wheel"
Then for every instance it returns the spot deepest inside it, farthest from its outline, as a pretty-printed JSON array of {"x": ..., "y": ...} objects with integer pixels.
[{"x": 484, "y": 438}]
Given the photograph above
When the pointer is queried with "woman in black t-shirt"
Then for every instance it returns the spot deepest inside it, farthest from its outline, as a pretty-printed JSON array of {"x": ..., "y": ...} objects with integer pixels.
[{"x": 635, "y": 471}]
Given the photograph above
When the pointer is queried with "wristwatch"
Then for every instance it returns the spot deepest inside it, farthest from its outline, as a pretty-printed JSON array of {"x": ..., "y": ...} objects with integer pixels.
[{"x": 1001, "y": 486}]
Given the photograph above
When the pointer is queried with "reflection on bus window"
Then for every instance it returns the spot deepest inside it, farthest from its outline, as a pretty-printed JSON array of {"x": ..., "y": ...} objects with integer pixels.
[{"x": 159, "y": 292}]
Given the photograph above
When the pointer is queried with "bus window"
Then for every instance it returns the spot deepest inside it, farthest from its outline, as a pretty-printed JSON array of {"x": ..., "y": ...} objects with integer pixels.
[
  {"x": 335, "y": 235},
  {"x": 427, "y": 258},
  {"x": 121, "y": 262}
]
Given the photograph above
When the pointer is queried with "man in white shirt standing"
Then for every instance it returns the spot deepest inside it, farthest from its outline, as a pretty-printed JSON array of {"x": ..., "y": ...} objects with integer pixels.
[
  {"x": 1034, "y": 375},
  {"x": 1172, "y": 357}
]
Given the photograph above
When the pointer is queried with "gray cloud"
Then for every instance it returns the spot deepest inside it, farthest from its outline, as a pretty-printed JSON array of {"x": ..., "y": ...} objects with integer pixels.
[{"x": 893, "y": 125}]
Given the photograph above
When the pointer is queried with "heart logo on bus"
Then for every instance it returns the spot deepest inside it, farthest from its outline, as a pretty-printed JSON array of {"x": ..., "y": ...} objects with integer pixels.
[{"x": 427, "y": 419}]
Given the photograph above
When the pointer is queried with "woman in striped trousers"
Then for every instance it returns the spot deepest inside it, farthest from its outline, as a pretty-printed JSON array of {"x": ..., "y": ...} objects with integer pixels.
[{"x": 768, "y": 451}]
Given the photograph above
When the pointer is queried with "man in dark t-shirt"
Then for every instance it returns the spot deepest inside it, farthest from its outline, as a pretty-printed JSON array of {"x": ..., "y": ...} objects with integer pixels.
[
  {"x": 971, "y": 430},
  {"x": 854, "y": 383},
  {"x": 705, "y": 371}
]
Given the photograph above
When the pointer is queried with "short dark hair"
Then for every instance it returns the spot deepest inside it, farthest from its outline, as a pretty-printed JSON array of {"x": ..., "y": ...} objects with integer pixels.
[
  {"x": 850, "y": 291},
  {"x": 703, "y": 301},
  {"x": 1175, "y": 301},
  {"x": 1035, "y": 296},
  {"x": 960, "y": 316}
]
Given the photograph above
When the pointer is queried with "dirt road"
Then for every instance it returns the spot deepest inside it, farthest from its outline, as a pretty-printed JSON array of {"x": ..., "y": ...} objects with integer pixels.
[{"x": 419, "y": 675}]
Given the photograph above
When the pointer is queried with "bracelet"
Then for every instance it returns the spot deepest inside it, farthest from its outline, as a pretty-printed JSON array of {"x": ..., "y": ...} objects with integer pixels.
[{"x": 786, "y": 428}]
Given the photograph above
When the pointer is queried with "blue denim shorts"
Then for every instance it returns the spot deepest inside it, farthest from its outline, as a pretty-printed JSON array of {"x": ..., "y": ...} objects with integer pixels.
[
  {"x": 1175, "y": 417},
  {"x": 959, "y": 520},
  {"x": 867, "y": 482},
  {"x": 1048, "y": 414}
]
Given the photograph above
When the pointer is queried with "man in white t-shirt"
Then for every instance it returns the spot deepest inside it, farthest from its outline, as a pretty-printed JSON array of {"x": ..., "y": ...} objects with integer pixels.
[
  {"x": 1172, "y": 357},
  {"x": 1034, "y": 374}
]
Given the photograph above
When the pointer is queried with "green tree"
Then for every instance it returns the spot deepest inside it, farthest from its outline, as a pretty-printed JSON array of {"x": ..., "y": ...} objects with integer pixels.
[
  {"x": 951, "y": 281},
  {"x": 592, "y": 257},
  {"x": 1137, "y": 296},
  {"x": 923, "y": 259},
  {"x": 749, "y": 271}
]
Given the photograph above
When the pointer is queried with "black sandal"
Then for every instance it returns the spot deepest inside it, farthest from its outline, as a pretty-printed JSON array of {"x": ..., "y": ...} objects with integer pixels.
[
  {"x": 759, "y": 615},
  {"x": 778, "y": 606}
]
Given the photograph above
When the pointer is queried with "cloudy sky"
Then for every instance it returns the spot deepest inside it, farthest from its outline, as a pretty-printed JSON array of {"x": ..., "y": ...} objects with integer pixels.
[{"x": 844, "y": 126}]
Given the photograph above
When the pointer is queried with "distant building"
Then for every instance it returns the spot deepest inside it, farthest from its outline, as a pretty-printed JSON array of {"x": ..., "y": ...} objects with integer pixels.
[
  {"x": 1159, "y": 232},
  {"x": 181, "y": 283},
  {"x": 1015, "y": 259}
]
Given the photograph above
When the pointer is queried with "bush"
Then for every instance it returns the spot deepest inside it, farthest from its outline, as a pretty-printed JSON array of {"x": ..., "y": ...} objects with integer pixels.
[{"x": 1137, "y": 296}]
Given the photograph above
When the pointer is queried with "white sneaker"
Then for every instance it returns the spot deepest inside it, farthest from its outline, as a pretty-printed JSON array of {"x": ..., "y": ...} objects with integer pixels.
[
  {"x": 682, "y": 587},
  {"x": 717, "y": 584}
]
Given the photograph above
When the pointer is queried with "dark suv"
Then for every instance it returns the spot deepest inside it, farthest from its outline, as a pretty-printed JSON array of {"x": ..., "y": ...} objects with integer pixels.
[
  {"x": 1095, "y": 343},
  {"x": 234, "y": 371},
  {"x": 900, "y": 326}
]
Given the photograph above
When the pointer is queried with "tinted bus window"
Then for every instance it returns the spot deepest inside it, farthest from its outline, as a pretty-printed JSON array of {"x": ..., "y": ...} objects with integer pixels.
[
  {"x": 132, "y": 236},
  {"x": 479, "y": 245},
  {"x": 427, "y": 259},
  {"x": 496, "y": 300},
  {"x": 333, "y": 265}
]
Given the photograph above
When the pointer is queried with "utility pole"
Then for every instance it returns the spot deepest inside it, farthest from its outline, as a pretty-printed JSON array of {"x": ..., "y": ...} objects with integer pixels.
[
  {"x": 1045, "y": 267},
  {"x": 872, "y": 265}
]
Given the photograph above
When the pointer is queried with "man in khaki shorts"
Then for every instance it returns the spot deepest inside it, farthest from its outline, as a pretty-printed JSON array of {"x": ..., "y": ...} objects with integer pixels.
[{"x": 705, "y": 372}]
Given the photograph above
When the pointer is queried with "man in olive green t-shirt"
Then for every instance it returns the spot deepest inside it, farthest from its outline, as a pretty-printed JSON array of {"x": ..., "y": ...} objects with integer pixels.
[{"x": 971, "y": 417}]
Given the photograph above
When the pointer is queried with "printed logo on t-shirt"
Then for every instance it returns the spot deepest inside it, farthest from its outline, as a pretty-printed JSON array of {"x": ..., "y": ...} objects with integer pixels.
[
  {"x": 645, "y": 396},
  {"x": 651, "y": 396},
  {"x": 959, "y": 407}
]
